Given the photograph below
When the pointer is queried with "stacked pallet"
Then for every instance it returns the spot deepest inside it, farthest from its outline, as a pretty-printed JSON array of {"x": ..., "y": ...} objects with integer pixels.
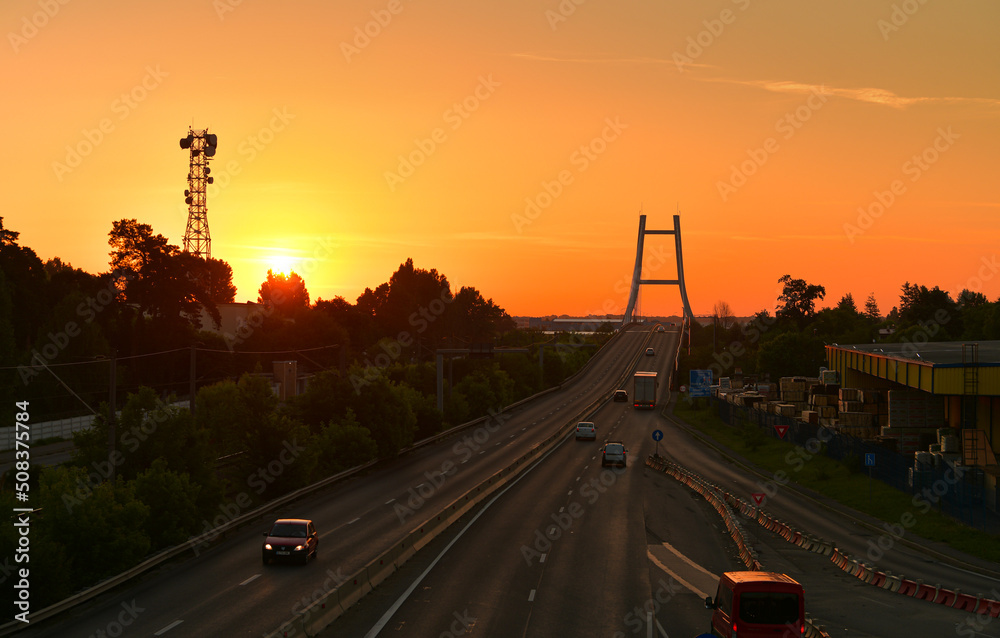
[
  {"x": 794, "y": 391},
  {"x": 855, "y": 418},
  {"x": 823, "y": 400},
  {"x": 914, "y": 419}
]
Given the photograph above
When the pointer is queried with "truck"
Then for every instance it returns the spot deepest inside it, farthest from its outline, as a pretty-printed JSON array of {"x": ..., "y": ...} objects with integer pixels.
[{"x": 644, "y": 390}]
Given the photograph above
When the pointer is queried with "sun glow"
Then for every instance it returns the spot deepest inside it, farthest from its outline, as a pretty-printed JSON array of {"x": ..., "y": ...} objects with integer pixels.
[{"x": 281, "y": 264}]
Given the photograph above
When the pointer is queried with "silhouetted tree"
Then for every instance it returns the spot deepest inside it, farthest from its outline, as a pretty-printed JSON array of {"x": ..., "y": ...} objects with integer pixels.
[
  {"x": 287, "y": 294},
  {"x": 871, "y": 309},
  {"x": 798, "y": 300}
]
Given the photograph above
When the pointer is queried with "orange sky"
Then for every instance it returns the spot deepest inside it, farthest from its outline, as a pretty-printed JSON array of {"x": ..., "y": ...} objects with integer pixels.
[{"x": 768, "y": 124}]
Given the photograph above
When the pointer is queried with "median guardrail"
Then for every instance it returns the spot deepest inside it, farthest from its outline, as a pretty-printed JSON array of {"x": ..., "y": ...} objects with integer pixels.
[{"x": 171, "y": 553}]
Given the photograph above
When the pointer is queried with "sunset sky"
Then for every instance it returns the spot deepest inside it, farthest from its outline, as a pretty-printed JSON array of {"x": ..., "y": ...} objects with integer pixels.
[{"x": 769, "y": 125}]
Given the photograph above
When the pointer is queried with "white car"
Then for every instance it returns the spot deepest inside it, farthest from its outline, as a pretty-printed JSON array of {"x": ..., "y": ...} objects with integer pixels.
[{"x": 586, "y": 430}]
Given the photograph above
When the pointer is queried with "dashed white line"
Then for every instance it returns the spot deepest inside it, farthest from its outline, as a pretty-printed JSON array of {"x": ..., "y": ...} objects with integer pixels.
[
  {"x": 168, "y": 628},
  {"x": 390, "y": 501},
  {"x": 531, "y": 596},
  {"x": 542, "y": 559},
  {"x": 250, "y": 580},
  {"x": 354, "y": 521}
]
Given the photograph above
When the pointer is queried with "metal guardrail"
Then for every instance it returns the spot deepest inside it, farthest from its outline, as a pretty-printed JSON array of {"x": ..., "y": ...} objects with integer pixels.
[{"x": 171, "y": 553}]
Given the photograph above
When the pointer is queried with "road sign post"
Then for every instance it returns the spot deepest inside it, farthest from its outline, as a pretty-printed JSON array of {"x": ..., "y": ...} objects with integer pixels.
[
  {"x": 657, "y": 436},
  {"x": 869, "y": 463}
]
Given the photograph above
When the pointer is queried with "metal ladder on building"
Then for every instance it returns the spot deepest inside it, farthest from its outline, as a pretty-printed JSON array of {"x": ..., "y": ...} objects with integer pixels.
[{"x": 975, "y": 445}]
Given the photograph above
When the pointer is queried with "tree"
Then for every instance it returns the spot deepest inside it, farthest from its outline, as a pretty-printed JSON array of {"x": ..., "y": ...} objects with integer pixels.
[
  {"x": 723, "y": 314},
  {"x": 918, "y": 305},
  {"x": 847, "y": 303},
  {"x": 163, "y": 281},
  {"x": 173, "y": 504},
  {"x": 871, "y": 309},
  {"x": 344, "y": 444},
  {"x": 789, "y": 354},
  {"x": 798, "y": 300},
  {"x": 287, "y": 294}
]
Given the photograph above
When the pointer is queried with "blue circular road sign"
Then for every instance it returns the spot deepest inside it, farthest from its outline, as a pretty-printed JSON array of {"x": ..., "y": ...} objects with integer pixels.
[{"x": 657, "y": 435}]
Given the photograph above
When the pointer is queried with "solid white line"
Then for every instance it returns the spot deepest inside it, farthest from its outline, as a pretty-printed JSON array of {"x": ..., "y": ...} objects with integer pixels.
[
  {"x": 680, "y": 580},
  {"x": 250, "y": 580},
  {"x": 689, "y": 561},
  {"x": 168, "y": 628},
  {"x": 531, "y": 596},
  {"x": 374, "y": 631},
  {"x": 649, "y": 624}
]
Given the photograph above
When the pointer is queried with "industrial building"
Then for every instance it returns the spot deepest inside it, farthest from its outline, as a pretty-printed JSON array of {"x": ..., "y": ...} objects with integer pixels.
[{"x": 963, "y": 379}]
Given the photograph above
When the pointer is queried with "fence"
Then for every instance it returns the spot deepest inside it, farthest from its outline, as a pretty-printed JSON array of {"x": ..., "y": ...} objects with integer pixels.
[
  {"x": 960, "y": 494},
  {"x": 60, "y": 428}
]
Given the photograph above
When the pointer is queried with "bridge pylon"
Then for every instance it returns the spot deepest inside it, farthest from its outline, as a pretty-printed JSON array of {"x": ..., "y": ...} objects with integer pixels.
[{"x": 637, "y": 279}]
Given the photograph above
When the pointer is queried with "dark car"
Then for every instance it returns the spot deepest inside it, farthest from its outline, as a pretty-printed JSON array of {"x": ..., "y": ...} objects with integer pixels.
[
  {"x": 613, "y": 453},
  {"x": 621, "y": 395},
  {"x": 293, "y": 539}
]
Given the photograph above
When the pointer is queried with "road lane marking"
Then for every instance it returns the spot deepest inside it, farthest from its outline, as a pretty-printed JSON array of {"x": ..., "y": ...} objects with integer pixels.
[
  {"x": 384, "y": 620},
  {"x": 168, "y": 628},
  {"x": 542, "y": 559},
  {"x": 354, "y": 521},
  {"x": 531, "y": 596},
  {"x": 688, "y": 560},
  {"x": 390, "y": 501},
  {"x": 680, "y": 580},
  {"x": 250, "y": 580}
]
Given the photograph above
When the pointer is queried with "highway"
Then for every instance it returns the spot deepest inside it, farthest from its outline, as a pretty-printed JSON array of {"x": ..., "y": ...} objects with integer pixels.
[
  {"x": 574, "y": 549},
  {"x": 568, "y": 548},
  {"x": 226, "y": 590}
]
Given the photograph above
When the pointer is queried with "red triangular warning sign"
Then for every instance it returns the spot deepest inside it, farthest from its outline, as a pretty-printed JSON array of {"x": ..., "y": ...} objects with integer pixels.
[
  {"x": 758, "y": 498},
  {"x": 781, "y": 429}
]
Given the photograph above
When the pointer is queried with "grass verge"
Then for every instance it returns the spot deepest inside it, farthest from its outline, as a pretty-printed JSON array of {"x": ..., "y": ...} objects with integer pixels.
[{"x": 842, "y": 482}]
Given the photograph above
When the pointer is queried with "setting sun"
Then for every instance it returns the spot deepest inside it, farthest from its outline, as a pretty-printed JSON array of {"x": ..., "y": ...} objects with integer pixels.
[{"x": 281, "y": 264}]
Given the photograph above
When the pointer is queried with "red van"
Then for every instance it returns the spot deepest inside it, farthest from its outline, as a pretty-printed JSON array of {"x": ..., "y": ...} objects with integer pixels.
[{"x": 751, "y": 604}]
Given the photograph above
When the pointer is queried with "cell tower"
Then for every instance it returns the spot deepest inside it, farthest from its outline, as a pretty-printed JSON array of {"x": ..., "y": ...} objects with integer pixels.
[{"x": 202, "y": 144}]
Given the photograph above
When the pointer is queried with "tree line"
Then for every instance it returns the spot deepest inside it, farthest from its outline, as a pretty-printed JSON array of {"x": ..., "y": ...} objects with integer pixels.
[
  {"x": 173, "y": 476},
  {"x": 792, "y": 340}
]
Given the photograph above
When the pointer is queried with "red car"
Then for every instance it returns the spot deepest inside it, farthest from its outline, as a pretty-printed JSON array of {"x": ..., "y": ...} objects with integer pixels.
[{"x": 290, "y": 539}]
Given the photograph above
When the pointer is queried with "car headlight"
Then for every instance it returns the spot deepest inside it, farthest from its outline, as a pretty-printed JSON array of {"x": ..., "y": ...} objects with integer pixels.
[
  {"x": 267, "y": 546},
  {"x": 299, "y": 548}
]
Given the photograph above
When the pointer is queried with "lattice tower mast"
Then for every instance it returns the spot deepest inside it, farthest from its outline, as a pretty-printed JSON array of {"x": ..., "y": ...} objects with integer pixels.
[{"x": 202, "y": 144}]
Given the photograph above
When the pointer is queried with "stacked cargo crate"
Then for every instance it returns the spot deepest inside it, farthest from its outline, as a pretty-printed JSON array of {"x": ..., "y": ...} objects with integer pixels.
[
  {"x": 853, "y": 419},
  {"x": 914, "y": 418},
  {"x": 794, "y": 396},
  {"x": 823, "y": 400}
]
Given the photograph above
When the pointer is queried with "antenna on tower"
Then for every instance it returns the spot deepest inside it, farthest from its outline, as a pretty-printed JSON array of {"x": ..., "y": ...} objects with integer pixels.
[{"x": 202, "y": 145}]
